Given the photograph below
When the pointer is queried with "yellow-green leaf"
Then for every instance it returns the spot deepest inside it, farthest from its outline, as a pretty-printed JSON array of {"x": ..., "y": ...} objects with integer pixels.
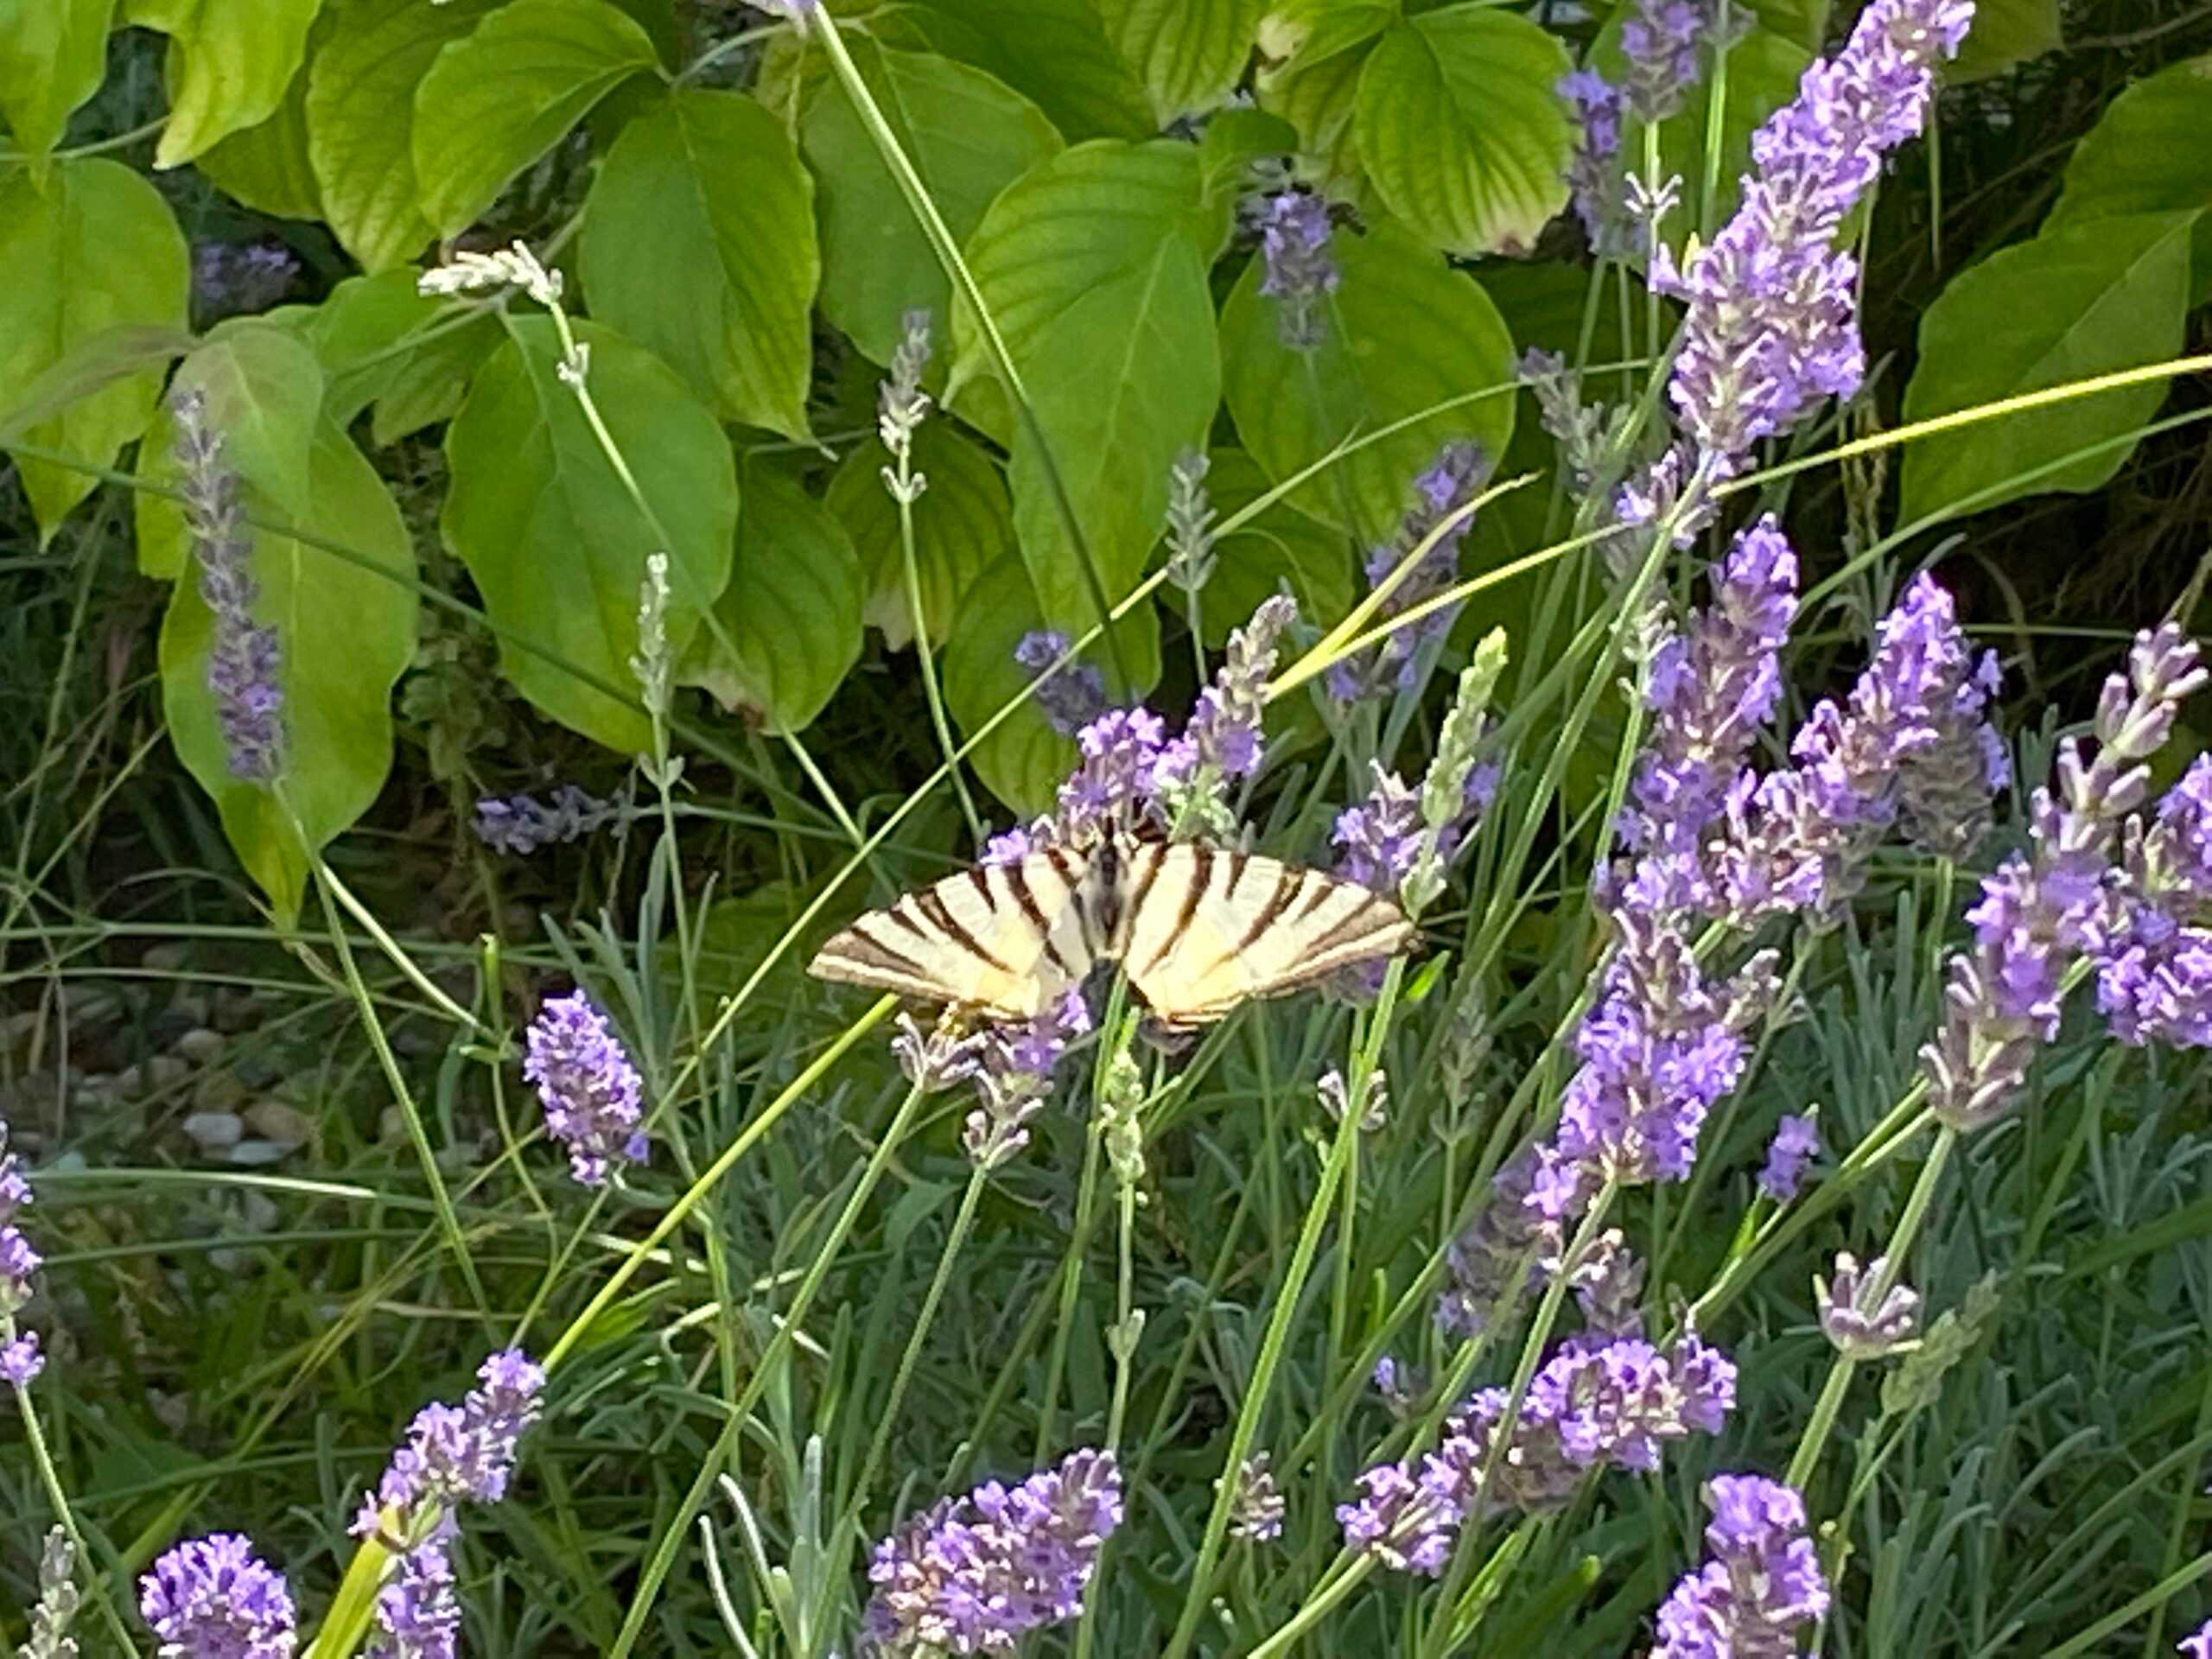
[
  {"x": 1189, "y": 54},
  {"x": 53, "y": 57},
  {"x": 1055, "y": 53},
  {"x": 231, "y": 62},
  {"x": 266, "y": 166}
]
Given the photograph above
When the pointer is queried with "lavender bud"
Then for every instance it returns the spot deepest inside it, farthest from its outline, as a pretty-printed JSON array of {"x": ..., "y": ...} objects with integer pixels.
[
  {"x": 214, "y": 1596},
  {"x": 58, "y": 1601},
  {"x": 521, "y": 823},
  {"x": 1190, "y": 522},
  {"x": 1257, "y": 1509},
  {"x": 1440, "y": 494},
  {"x": 244, "y": 659},
  {"x": 1071, "y": 698},
  {"x": 1796, "y": 1143},
  {"x": 1597, "y": 106},
  {"x": 1866, "y": 1318},
  {"x": 1295, "y": 237},
  {"x": 592, "y": 1093}
]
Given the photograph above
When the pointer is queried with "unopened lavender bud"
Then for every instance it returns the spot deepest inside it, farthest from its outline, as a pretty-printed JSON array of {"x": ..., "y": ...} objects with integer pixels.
[
  {"x": 1190, "y": 522},
  {"x": 1257, "y": 1508},
  {"x": 1862, "y": 1315}
]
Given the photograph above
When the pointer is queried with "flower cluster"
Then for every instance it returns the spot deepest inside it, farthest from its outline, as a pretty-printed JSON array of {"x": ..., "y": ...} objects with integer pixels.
[
  {"x": 976, "y": 1574},
  {"x": 1592, "y": 1404},
  {"x": 1863, "y": 1315},
  {"x": 2040, "y": 911},
  {"x": 2197, "y": 1644},
  {"x": 1295, "y": 237},
  {"x": 19, "y": 1358},
  {"x": 1773, "y": 327},
  {"x": 229, "y": 280},
  {"x": 1432, "y": 553},
  {"x": 592, "y": 1093},
  {"x": 523, "y": 823},
  {"x": 1013, "y": 1066},
  {"x": 1071, "y": 698},
  {"x": 1224, "y": 739},
  {"x": 2154, "y": 963},
  {"x": 244, "y": 661},
  {"x": 214, "y": 1596},
  {"x": 1761, "y": 1581}
]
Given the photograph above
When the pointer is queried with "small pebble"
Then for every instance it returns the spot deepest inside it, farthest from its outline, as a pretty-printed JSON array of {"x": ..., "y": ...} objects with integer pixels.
[
  {"x": 221, "y": 1091},
  {"x": 170, "y": 956},
  {"x": 257, "y": 1154},
  {"x": 261, "y": 1211},
  {"x": 200, "y": 1046},
  {"x": 281, "y": 1123},
  {"x": 215, "y": 1130}
]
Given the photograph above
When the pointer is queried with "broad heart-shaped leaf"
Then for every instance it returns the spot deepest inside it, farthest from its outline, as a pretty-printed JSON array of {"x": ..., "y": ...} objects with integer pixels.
[
  {"x": 266, "y": 166},
  {"x": 53, "y": 57},
  {"x": 1462, "y": 130},
  {"x": 963, "y": 524},
  {"x": 498, "y": 99},
  {"x": 1023, "y": 759},
  {"x": 2072, "y": 304},
  {"x": 968, "y": 136},
  {"x": 1281, "y": 547},
  {"x": 2005, "y": 34},
  {"x": 345, "y": 635},
  {"x": 1094, "y": 266},
  {"x": 1403, "y": 333},
  {"x": 555, "y": 544},
  {"x": 789, "y": 620},
  {"x": 360, "y": 108},
  {"x": 1056, "y": 53},
  {"x": 698, "y": 243},
  {"x": 1319, "y": 98},
  {"x": 1189, "y": 54},
  {"x": 95, "y": 249},
  {"x": 386, "y": 346},
  {"x": 231, "y": 62},
  {"x": 2148, "y": 154}
]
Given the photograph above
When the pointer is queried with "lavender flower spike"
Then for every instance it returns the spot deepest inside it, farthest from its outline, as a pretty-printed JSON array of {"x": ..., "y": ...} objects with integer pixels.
[
  {"x": 213, "y": 1597},
  {"x": 1114, "y": 785},
  {"x": 1761, "y": 1582},
  {"x": 592, "y": 1093},
  {"x": 418, "y": 1616},
  {"x": 2154, "y": 962},
  {"x": 1072, "y": 697},
  {"x": 1664, "y": 42},
  {"x": 523, "y": 823},
  {"x": 1224, "y": 738},
  {"x": 977, "y": 1574},
  {"x": 1796, "y": 1143},
  {"x": 1301, "y": 273},
  {"x": 1858, "y": 1324},
  {"x": 460, "y": 1453},
  {"x": 20, "y": 1359},
  {"x": 1596, "y": 103},
  {"x": 243, "y": 660},
  {"x": 1439, "y": 492}
]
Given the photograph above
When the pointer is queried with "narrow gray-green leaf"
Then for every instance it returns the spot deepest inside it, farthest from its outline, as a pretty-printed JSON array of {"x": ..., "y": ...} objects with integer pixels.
[
  {"x": 963, "y": 524},
  {"x": 698, "y": 243},
  {"x": 1189, "y": 54},
  {"x": 498, "y": 99},
  {"x": 2071, "y": 304},
  {"x": 555, "y": 544}
]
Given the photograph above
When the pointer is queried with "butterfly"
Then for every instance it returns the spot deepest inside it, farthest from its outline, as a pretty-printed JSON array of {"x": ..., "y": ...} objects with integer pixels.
[{"x": 1196, "y": 929}]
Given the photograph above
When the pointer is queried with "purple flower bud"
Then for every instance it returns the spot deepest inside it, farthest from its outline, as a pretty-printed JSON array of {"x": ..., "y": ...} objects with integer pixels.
[
  {"x": 1258, "y": 1510},
  {"x": 1857, "y": 1322},
  {"x": 1796, "y": 1143},
  {"x": 1446, "y": 487},
  {"x": 523, "y": 823},
  {"x": 1664, "y": 42},
  {"x": 1112, "y": 787},
  {"x": 1300, "y": 272},
  {"x": 1596, "y": 103},
  {"x": 1069, "y": 698},
  {"x": 2198, "y": 1643},
  {"x": 1762, "y": 1580},
  {"x": 21, "y": 1361},
  {"x": 418, "y": 1616},
  {"x": 592, "y": 1093},
  {"x": 460, "y": 1453},
  {"x": 1013, "y": 1066},
  {"x": 244, "y": 659},
  {"x": 213, "y": 1597}
]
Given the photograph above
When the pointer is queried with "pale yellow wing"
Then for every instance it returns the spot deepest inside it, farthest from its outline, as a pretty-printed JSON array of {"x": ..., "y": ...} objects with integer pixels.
[
  {"x": 1008, "y": 939},
  {"x": 1202, "y": 929}
]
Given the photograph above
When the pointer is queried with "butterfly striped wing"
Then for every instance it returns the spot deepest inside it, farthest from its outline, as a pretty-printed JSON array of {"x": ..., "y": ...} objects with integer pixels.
[
  {"x": 1008, "y": 939},
  {"x": 1202, "y": 929}
]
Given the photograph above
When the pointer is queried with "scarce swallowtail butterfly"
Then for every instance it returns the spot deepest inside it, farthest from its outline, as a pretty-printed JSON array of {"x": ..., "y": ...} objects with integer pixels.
[{"x": 1196, "y": 929}]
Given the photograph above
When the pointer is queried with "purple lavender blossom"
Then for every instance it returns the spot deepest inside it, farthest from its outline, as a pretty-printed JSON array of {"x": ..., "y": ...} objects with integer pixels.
[
  {"x": 2039, "y": 911},
  {"x": 2198, "y": 1643},
  {"x": 1597, "y": 106},
  {"x": 1862, "y": 1315},
  {"x": 245, "y": 661},
  {"x": 1773, "y": 326},
  {"x": 1664, "y": 42},
  {"x": 1448, "y": 484},
  {"x": 1295, "y": 236},
  {"x": 1072, "y": 697},
  {"x": 521, "y": 823},
  {"x": 20, "y": 1359},
  {"x": 976, "y": 1574},
  {"x": 1014, "y": 1066},
  {"x": 1796, "y": 1143},
  {"x": 213, "y": 1597},
  {"x": 2154, "y": 965},
  {"x": 1112, "y": 785},
  {"x": 1591, "y": 1405},
  {"x": 229, "y": 281},
  {"x": 1508, "y": 1230},
  {"x": 1378, "y": 841},
  {"x": 591, "y": 1091},
  {"x": 418, "y": 1616},
  {"x": 1223, "y": 737},
  {"x": 1258, "y": 1513},
  {"x": 1017, "y": 843},
  {"x": 1762, "y": 1580},
  {"x": 460, "y": 1453}
]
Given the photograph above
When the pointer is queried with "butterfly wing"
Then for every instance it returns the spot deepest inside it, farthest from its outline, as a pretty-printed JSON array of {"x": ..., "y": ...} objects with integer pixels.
[
  {"x": 1203, "y": 930},
  {"x": 1008, "y": 939}
]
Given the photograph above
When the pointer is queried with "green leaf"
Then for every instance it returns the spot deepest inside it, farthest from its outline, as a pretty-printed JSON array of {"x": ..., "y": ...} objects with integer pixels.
[
  {"x": 1232, "y": 142},
  {"x": 360, "y": 103},
  {"x": 2147, "y": 155},
  {"x": 94, "y": 250},
  {"x": 266, "y": 167},
  {"x": 386, "y": 346},
  {"x": 963, "y": 524},
  {"x": 556, "y": 544},
  {"x": 345, "y": 634},
  {"x": 1804, "y": 22},
  {"x": 2005, "y": 34},
  {"x": 1056, "y": 53},
  {"x": 1023, "y": 759},
  {"x": 790, "y": 617},
  {"x": 1190, "y": 54},
  {"x": 698, "y": 243},
  {"x": 1281, "y": 546},
  {"x": 1403, "y": 333},
  {"x": 1462, "y": 130},
  {"x": 53, "y": 57},
  {"x": 231, "y": 62},
  {"x": 1094, "y": 266},
  {"x": 2070, "y": 304},
  {"x": 495, "y": 101},
  {"x": 1319, "y": 97},
  {"x": 968, "y": 136}
]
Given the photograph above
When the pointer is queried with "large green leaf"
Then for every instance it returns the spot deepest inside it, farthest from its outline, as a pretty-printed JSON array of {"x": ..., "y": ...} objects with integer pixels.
[
  {"x": 386, "y": 346},
  {"x": 498, "y": 99},
  {"x": 231, "y": 62},
  {"x": 2149, "y": 154},
  {"x": 1095, "y": 266},
  {"x": 1023, "y": 759},
  {"x": 266, "y": 167},
  {"x": 1190, "y": 54},
  {"x": 1281, "y": 547},
  {"x": 53, "y": 57},
  {"x": 2069, "y": 305},
  {"x": 699, "y": 243},
  {"x": 344, "y": 634},
  {"x": 963, "y": 524},
  {"x": 1403, "y": 333},
  {"x": 554, "y": 540},
  {"x": 2005, "y": 34},
  {"x": 1056, "y": 53},
  {"x": 1462, "y": 130},
  {"x": 789, "y": 620},
  {"x": 968, "y": 136},
  {"x": 360, "y": 103},
  {"x": 95, "y": 249},
  {"x": 1319, "y": 97}
]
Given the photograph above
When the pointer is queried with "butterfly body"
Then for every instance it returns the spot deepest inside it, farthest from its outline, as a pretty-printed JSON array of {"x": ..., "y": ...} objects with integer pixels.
[{"x": 1196, "y": 929}]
